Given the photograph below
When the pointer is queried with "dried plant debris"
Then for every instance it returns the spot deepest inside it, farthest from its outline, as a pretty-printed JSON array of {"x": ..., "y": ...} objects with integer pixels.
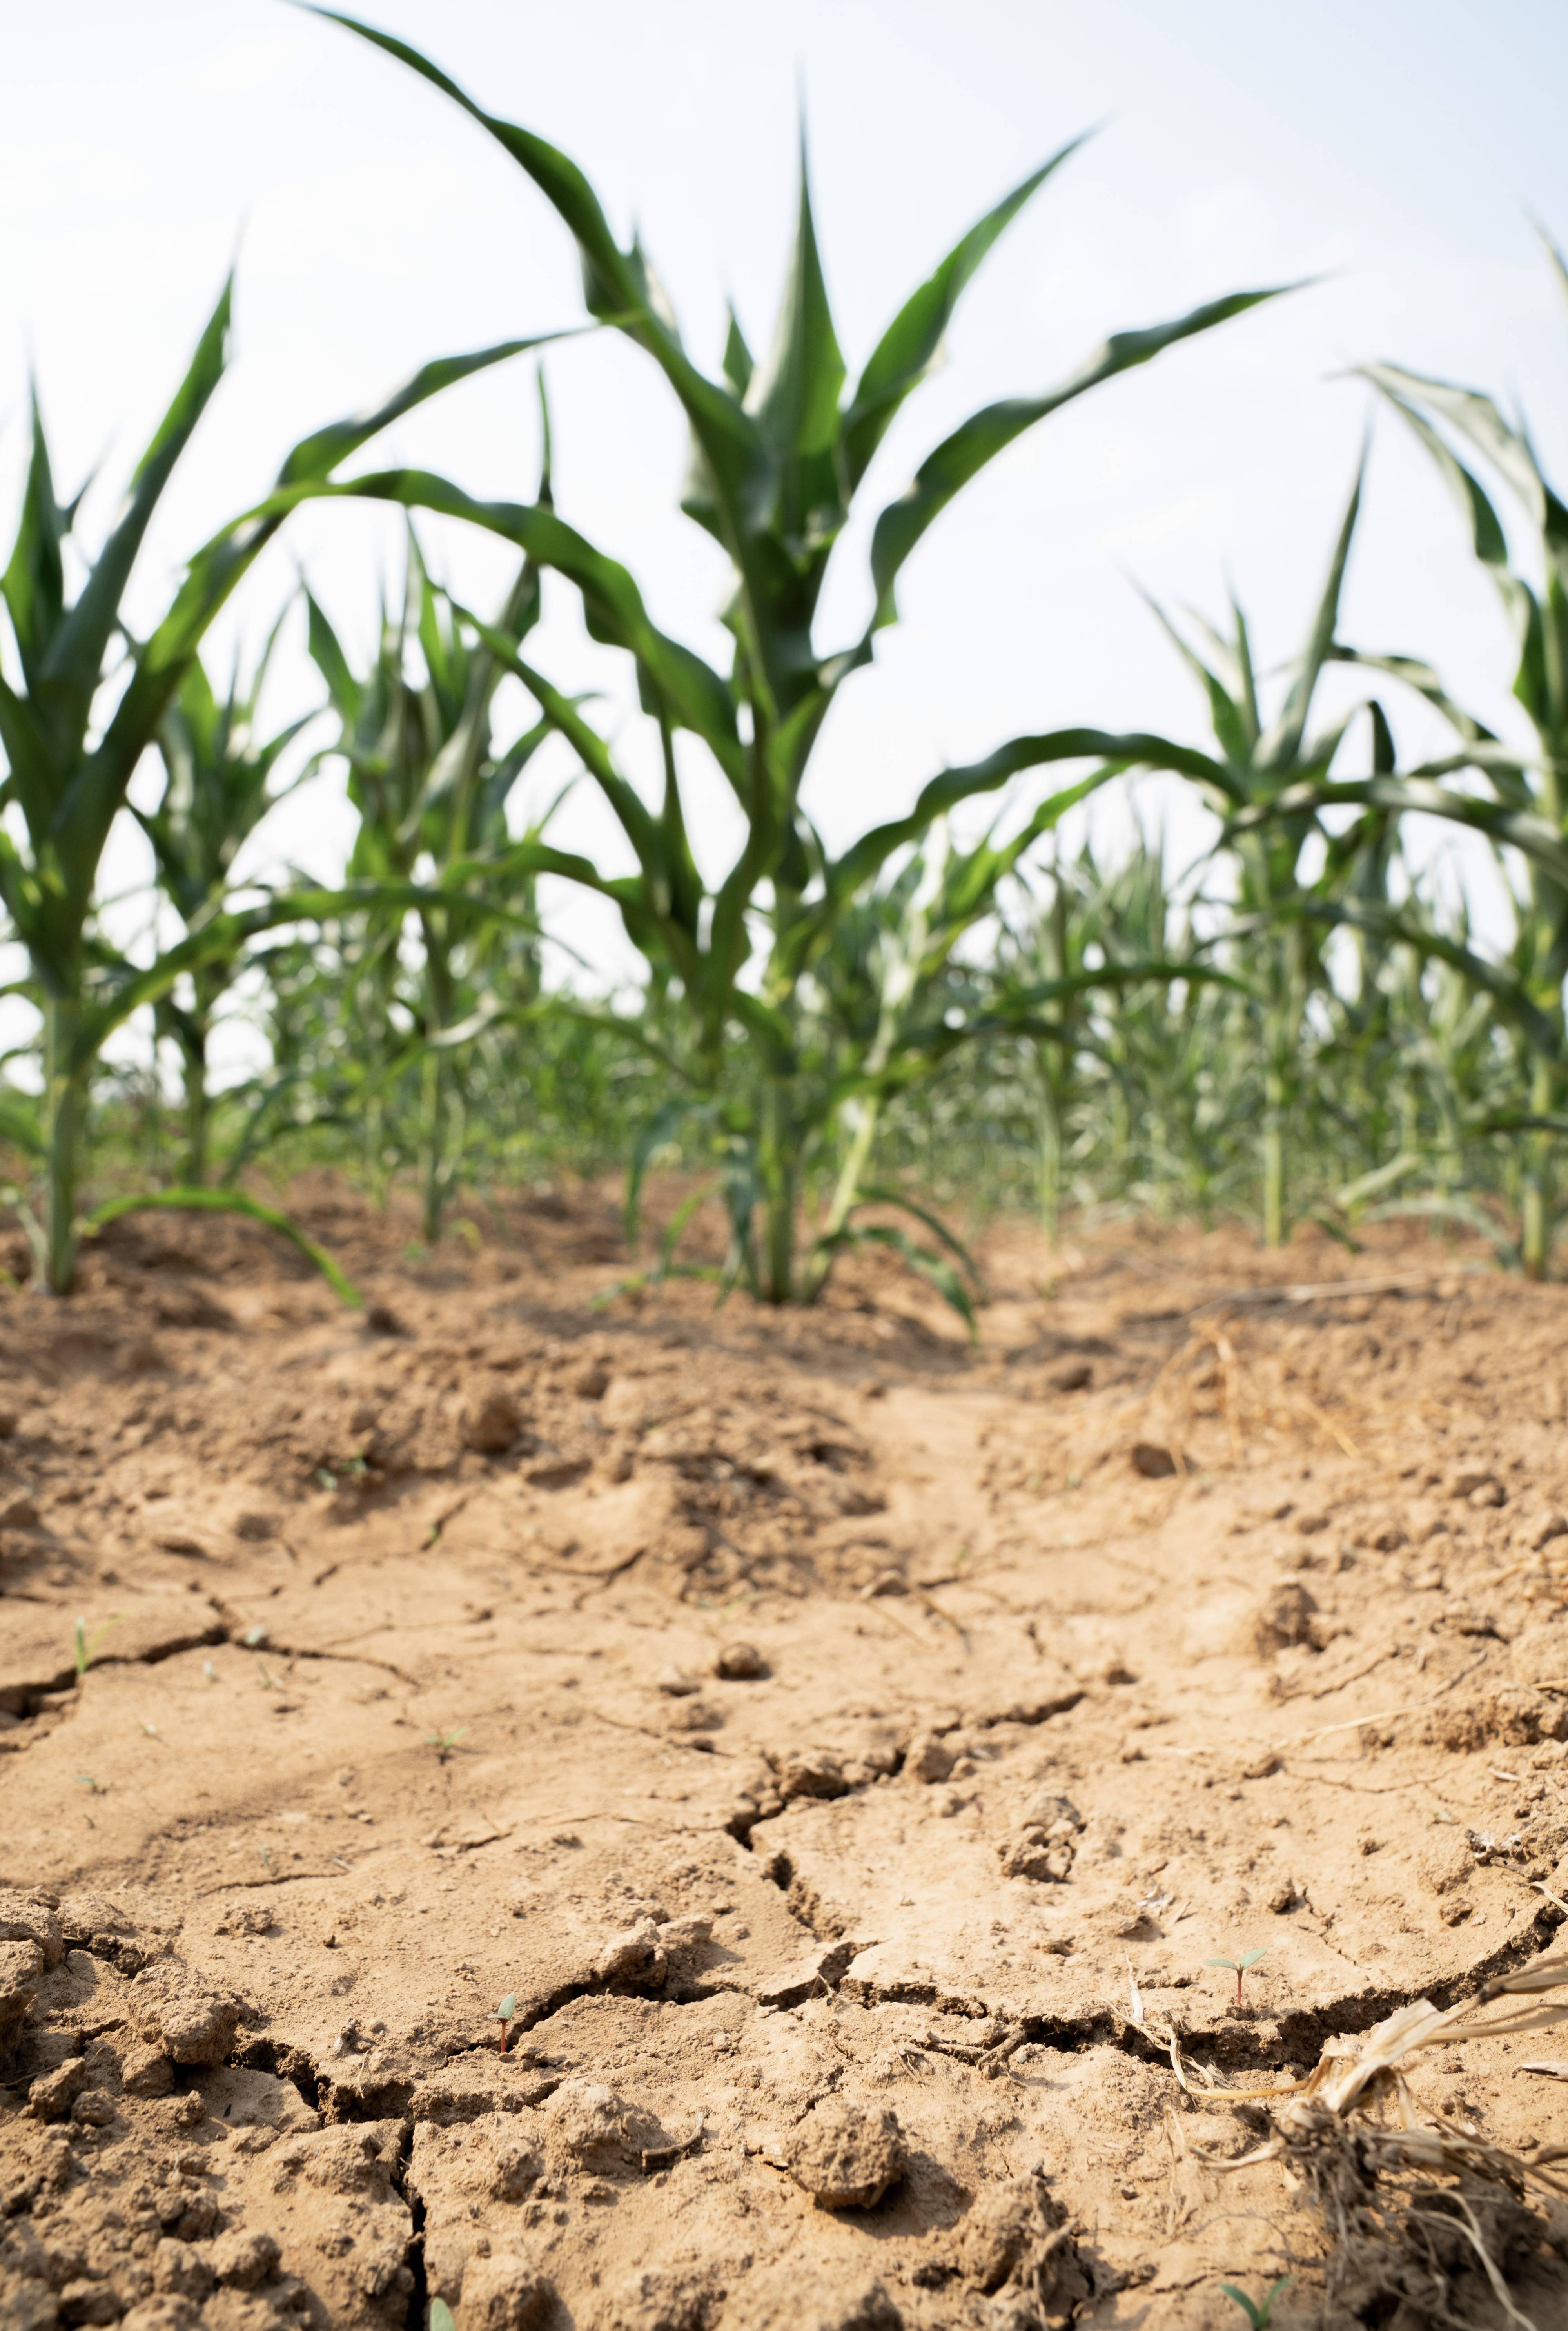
[{"x": 1411, "y": 2203}]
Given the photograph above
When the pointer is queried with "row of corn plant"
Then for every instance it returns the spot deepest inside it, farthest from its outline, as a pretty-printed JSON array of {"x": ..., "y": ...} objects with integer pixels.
[{"x": 1301, "y": 1026}]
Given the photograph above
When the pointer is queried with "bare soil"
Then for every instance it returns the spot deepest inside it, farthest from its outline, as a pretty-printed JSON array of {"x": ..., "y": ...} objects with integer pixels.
[{"x": 846, "y": 1747}]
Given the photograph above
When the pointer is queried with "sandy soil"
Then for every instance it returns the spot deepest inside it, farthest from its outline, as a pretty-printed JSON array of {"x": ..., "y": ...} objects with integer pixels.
[{"x": 847, "y": 1749}]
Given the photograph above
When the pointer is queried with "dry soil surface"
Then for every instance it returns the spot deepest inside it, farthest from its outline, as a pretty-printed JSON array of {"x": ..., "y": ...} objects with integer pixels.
[{"x": 844, "y": 1748}]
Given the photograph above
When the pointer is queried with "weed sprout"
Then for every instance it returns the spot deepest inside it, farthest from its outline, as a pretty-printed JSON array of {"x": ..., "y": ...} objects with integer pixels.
[
  {"x": 1238, "y": 1966},
  {"x": 87, "y": 1645},
  {"x": 1259, "y": 2314},
  {"x": 505, "y": 2011}
]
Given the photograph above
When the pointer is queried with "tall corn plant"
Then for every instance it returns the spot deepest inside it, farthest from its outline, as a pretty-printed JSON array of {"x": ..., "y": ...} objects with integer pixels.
[
  {"x": 780, "y": 451},
  {"x": 86, "y": 701},
  {"x": 218, "y": 770}
]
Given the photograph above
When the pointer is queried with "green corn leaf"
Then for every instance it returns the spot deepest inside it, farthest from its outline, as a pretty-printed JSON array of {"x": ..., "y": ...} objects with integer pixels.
[
  {"x": 911, "y": 346},
  {"x": 962, "y": 456},
  {"x": 34, "y": 584},
  {"x": 228, "y": 1202},
  {"x": 1531, "y": 834},
  {"x": 738, "y": 365},
  {"x": 1476, "y": 418},
  {"x": 1279, "y": 747},
  {"x": 795, "y": 397},
  {"x": 615, "y": 285},
  {"x": 74, "y": 661},
  {"x": 875, "y": 1193},
  {"x": 933, "y": 1268}
]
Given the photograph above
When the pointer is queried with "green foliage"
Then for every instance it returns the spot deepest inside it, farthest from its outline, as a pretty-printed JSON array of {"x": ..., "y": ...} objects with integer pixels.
[
  {"x": 780, "y": 450},
  {"x": 68, "y": 774},
  {"x": 1259, "y": 2313}
]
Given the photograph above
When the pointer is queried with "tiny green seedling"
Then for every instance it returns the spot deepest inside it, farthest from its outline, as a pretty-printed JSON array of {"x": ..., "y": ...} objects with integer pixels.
[
  {"x": 253, "y": 1637},
  {"x": 441, "y": 2315},
  {"x": 325, "y": 1479},
  {"x": 1259, "y": 2316},
  {"x": 86, "y": 1780},
  {"x": 444, "y": 1743},
  {"x": 86, "y": 1644},
  {"x": 505, "y": 2011},
  {"x": 209, "y": 1672},
  {"x": 266, "y": 1862},
  {"x": 268, "y": 1682},
  {"x": 1238, "y": 1966},
  {"x": 433, "y": 1539}
]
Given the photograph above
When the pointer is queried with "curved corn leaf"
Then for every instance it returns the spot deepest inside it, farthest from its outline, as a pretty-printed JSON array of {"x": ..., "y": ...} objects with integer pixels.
[
  {"x": 963, "y": 455},
  {"x": 227, "y": 1202},
  {"x": 1521, "y": 830},
  {"x": 910, "y": 347},
  {"x": 876, "y": 1194},
  {"x": 940, "y": 1273}
]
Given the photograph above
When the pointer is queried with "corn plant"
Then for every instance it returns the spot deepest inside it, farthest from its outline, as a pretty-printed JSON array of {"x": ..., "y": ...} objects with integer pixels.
[
  {"x": 432, "y": 794},
  {"x": 1525, "y": 807},
  {"x": 780, "y": 451},
  {"x": 91, "y": 702},
  {"x": 217, "y": 790},
  {"x": 1264, "y": 781}
]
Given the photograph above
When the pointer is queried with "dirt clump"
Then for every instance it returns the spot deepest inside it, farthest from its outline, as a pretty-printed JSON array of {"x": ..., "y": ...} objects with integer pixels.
[{"x": 846, "y": 2155}]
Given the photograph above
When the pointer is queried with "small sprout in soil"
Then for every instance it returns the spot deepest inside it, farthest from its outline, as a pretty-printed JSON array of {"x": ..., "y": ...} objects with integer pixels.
[
  {"x": 1238, "y": 1966},
  {"x": 252, "y": 1637},
  {"x": 433, "y": 1538},
  {"x": 505, "y": 2011},
  {"x": 269, "y": 1683},
  {"x": 85, "y": 1645},
  {"x": 86, "y": 1782},
  {"x": 440, "y": 2316},
  {"x": 266, "y": 1861},
  {"x": 1259, "y": 2316},
  {"x": 444, "y": 1743},
  {"x": 355, "y": 1469},
  {"x": 151, "y": 1730},
  {"x": 209, "y": 1672},
  {"x": 325, "y": 1479}
]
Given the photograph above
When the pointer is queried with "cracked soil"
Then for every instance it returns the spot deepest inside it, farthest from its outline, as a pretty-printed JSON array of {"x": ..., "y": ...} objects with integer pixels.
[{"x": 844, "y": 1747}]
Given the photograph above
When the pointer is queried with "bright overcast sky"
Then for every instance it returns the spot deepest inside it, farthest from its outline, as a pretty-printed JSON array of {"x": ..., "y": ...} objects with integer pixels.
[{"x": 1397, "y": 150}]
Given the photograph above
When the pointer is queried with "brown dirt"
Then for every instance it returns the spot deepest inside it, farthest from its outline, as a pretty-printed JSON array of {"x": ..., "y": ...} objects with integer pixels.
[{"x": 832, "y": 1735}]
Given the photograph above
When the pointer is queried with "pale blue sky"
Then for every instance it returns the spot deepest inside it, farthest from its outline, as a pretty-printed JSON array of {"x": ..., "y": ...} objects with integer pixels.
[{"x": 1395, "y": 147}]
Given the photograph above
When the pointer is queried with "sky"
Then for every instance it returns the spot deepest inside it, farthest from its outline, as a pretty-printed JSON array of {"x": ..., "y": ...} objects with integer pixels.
[{"x": 1391, "y": 154}]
